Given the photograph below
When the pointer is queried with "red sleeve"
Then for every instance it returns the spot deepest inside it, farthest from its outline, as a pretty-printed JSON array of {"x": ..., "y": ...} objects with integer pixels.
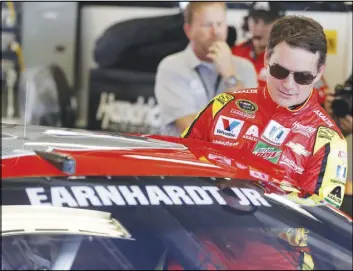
[{"x": 200, "y": 127}]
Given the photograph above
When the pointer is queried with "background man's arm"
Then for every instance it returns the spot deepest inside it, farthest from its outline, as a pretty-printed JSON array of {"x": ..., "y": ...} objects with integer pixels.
[
  {"x": 174, "y": 96},
  {"x": 184, "y": 122}
]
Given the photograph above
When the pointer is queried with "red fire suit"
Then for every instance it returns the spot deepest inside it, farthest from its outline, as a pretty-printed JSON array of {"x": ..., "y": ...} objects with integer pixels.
[
  {"x": 246, "y": 50},
  {"x": 305, "y": 141}
]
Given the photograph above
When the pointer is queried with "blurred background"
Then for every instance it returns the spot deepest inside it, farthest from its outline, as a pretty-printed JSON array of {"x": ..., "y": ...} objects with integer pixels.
[{"x": 93, "y": 64}]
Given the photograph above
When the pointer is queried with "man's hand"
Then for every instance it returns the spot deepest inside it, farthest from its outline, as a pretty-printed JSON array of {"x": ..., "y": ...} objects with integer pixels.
[{"x": 221, "y": 55}]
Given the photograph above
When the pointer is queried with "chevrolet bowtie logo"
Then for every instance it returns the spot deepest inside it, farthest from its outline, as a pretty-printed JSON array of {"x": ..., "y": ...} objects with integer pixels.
[{"x": 297, "y": 148}]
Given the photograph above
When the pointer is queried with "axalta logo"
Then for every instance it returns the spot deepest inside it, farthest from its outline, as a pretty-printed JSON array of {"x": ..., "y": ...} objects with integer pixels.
[
  {"x": 252, "y": 133},
  {"x": 303, "y": 129},
  {"x": 139, "y": 113},
  {"x": 228, "y": 127},
  {"x": 323, "y": 117},
  {"x": 290, "y": 163},
  {"x": 248, "y": 91},
  {"x": 336, "y": 196}
]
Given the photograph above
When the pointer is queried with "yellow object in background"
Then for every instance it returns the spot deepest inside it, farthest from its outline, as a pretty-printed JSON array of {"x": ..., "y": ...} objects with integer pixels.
[{"x": 331, "y": 37}]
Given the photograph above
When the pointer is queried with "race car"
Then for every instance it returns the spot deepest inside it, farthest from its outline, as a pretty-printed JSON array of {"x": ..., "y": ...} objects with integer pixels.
[{"x": 76, "y": 199}]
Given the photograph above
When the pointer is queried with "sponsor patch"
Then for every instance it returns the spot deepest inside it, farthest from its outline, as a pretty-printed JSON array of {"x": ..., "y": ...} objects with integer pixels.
[
  {"x": 246, "y": 106},
  {"x": 252, "y": 133},
  {"x": 341, "y": 172},
  {"x": 248, "y": 91},
  {"x": 220, "y": 101},
  {"x": 290, "y": 163},
  {"x": 241, "y": 166},
  {"x": 305, "y": 130},
  {"x": 335, "y": 196},
  {"x": 225, "y": 143},
  {"x": 228, "y": 127},
  {"x": 219, "y": 158},
  {"x": 342, "y": 154},
  {"x": 298, "y": 148},
  {"x": 259, "y": 175},
  {"x": 242, "y": 114},
  {"x": 340, "y": 182},
  {"x": 275, "y": 133},
  {"x": 267, "y": 152},
  {"x": 322, "y": 116},
  {"x": 224, "y": 98},
  {"x": 326, "y": 133}
]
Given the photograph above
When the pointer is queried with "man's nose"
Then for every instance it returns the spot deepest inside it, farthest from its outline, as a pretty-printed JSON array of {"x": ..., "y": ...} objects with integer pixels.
[
  {"x": 214, "y": 30},
  {"x": 289, "y": 82}
]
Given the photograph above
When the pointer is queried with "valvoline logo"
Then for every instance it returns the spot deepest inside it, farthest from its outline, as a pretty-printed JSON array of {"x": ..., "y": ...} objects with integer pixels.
[{"x": 228, "y": 127}]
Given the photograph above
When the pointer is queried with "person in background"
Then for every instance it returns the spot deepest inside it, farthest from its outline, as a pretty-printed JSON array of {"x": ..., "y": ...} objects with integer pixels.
[
  {"x": 186, "y": 81},
  {"x": 283, "y": 121},
  {"x": 259, "y": 21}
]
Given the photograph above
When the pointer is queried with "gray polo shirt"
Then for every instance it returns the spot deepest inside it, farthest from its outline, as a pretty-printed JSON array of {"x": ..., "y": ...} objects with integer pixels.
[{"x": 180, "y": 91}]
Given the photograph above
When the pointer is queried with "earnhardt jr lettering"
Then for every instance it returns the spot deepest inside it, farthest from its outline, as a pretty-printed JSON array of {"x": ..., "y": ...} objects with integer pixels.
[{"x": 121, "y": 195}]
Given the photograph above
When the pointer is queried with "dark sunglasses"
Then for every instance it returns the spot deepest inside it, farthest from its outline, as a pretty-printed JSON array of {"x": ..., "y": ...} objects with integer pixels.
[{"x": 302, "y": 78}]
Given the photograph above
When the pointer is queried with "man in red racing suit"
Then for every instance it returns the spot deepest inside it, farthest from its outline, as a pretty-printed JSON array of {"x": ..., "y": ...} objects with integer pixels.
[
  {"x": 283, "y": 121},
  {"x": 305, "y": 141}
]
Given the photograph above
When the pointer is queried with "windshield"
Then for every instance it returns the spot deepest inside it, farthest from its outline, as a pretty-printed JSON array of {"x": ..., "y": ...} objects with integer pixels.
[{"x": 160, "y": 223}]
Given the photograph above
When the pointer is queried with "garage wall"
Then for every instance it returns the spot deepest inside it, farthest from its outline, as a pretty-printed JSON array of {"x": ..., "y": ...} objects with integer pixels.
[
  {"x": 95, "y": 19},
  {"x": 49, "y": 35}
]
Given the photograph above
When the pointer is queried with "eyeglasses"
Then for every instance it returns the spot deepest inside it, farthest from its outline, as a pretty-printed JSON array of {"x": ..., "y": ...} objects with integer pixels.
[{"x": 302, "y": 78}]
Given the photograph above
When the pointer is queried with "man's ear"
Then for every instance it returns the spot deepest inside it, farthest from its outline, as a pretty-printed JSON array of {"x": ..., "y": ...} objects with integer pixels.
[
  {"x": 320, "y": 73},
  {"x": 267, "y": 58},
  {"x": 187, "y": 30}
]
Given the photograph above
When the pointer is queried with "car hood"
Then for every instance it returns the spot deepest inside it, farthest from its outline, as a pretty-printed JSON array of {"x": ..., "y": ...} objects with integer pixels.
[{"x": 98, "y": 153}]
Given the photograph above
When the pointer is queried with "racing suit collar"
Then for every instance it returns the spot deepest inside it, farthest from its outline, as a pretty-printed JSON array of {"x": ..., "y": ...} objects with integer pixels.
[{"x": 273, "y": 107}]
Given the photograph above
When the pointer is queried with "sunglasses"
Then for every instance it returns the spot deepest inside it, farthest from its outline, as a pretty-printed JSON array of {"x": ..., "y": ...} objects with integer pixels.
[{"x": 302, "y": 78}]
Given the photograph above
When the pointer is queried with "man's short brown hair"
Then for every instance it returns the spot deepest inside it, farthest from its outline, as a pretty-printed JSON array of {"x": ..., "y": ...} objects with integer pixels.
[
  {"x": 301, "y": 32},
  {"x": 194, "y": 6}
]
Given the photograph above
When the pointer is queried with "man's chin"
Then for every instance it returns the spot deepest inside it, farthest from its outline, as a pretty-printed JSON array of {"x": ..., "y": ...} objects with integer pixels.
[{"x": 284, "y": 102}]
